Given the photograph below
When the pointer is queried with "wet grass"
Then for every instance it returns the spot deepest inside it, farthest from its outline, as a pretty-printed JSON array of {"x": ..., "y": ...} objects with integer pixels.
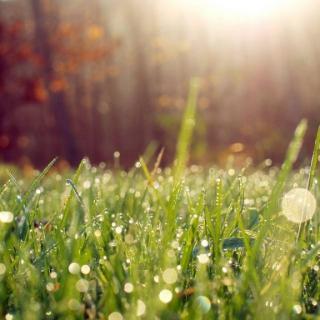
[
  {"x": 111, "y": 244},
  {"x": 151, "y": 243}
]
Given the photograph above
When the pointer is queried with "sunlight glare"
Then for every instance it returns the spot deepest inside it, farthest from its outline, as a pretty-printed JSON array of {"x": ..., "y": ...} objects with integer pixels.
[
  {"x": 250, "y": 7},
  {"x": 255, "y": 9}
]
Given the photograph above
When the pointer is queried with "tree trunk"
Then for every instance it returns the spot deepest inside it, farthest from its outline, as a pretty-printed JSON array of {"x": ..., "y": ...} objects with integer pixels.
[{"x": 56, "y": 101}]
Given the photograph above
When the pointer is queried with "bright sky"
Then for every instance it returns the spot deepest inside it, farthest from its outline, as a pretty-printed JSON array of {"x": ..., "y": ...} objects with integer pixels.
[{"x": 251, "y": 9}]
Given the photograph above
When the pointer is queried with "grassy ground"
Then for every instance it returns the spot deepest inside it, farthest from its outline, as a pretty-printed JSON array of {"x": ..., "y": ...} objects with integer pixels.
[
  {"x": 114, "y": 244},
  {"x": 180, "y": 243}
]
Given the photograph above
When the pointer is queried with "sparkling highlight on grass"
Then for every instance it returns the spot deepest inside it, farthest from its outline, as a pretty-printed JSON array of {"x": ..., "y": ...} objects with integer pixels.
[
  {"x": 85, "y": 269},
  {"x": 203, "y": 304},
  {"x": 170, "y": 276},
  {"x": 203, "y": 243},
  {"x": 128, "y": 287},
  {"x": 141, "y": 308},
  {"x": 6, "y": 216},
  {"x": 115, "y": 316},
  {"x": 298, "y": 205},
  {"x": 74, "y": 268},
  {"x": 165, "y": 296},
  {"x": 203, "y": 258}
]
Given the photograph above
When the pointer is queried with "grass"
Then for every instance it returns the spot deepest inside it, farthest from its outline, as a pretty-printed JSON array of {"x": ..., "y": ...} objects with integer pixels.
[{"x": 173, "y": 243}]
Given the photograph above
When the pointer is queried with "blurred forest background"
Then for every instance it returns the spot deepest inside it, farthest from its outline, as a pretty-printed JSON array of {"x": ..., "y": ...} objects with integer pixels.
[{"x": 88, "y": 78}]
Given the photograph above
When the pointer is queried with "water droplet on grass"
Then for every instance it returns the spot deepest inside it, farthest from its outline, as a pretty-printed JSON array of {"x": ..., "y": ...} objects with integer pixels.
[
  {"x": 203, "y": 304},
  {"x": 85, "y": 269},
  {"x": 115, "y": 316},
  {"x": 50, "y": 286},
  {"x": 87, "y": 184},
  {"x": 128, "y": 287},
  {"x": 165, "y": 296},
  {"x": 314, "y": 302},
  {"x": 141, "y": 308},
  {"x": 203, "y": 258},
  {"x": 297, "y": 308},
  {"x": 118, "y": 229},
  {"x": 170, "y": 276},
  {"x": 204, "y": 243},
  {"x": 298, "y": 205},
  {"x": 97, "y": 233},
  {"x": 74, "y": 268},
  {"x": 225, "y": 270},
  {"x": 6, "y": 216}
]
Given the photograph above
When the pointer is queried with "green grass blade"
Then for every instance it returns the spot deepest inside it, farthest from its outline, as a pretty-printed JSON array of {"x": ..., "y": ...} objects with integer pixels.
[
  {"x": 185, "y": 135},
  {"x": 291, "y": 157},
  {"x": 35, "y": 184},
  {"x": 217, "y": 220},
  {"x": 66, "y": 210},
  {"x": 314, "y": 161}
]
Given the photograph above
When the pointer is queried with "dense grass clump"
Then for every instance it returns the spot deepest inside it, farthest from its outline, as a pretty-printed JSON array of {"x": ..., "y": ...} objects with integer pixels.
[
  {"x": 110, "y": 244},
  {"x": 174, "y": 243}
]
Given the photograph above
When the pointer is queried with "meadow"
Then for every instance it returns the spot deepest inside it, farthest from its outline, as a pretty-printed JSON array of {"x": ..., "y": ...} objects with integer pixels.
[
  {"x": 112, "y": 207},
  {"x": 185, "y": 242}
]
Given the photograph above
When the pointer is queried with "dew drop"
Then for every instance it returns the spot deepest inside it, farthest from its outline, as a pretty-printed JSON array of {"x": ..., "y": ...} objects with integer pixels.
[
  {"x": 119, "y": 229},
  {"x": 116, "y": 154},
  {"x": 165, "y": 296},
  {"x": 50, "y": 286},
  {"x": 97, "y": 233},
  {"x": 297, "y": 308},
  {"x": 128, "y": 287},
  {"x": 298, "y": 205},
  {"x": 203, "y": 258},
  {"x": 85, "y": 269},
  {"x": 203, "y": 303},
  {"x": 74, "y": 268},
  {"x": 170, "y": 276},
  {"x": 6, "y": 216},
  {"x": 141, "y": 308},
  {"x": 314, "y": 302},
  {"x": 204, "y": 243},
  {"x": 87, "y": 184},
  {"x": 115, "y": 316}
]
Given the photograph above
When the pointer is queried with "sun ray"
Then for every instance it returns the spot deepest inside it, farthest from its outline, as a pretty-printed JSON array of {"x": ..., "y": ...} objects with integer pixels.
[{"x": 251, "y": 9}]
